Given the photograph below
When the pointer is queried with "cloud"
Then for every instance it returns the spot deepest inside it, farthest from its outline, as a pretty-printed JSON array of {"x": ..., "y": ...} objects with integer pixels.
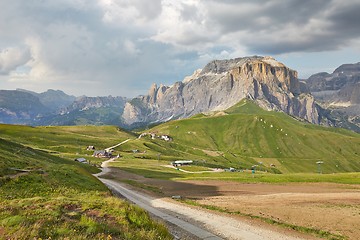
[
  {"x": 184, "y": 24},
  {"x": 131, "y": 48},
  {"x": 264, "y": 27},
  {"x": 118, "y": 47},
  {"x": 134, "y": 12},
  {"x": 11, "y": 58}
]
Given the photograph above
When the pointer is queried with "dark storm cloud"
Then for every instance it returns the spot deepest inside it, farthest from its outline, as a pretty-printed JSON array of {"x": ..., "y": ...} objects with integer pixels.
[
  {"x": 244, "y": 15},
  {"x": 345, "y": 21},
  {"x": 275, "y": 27}
]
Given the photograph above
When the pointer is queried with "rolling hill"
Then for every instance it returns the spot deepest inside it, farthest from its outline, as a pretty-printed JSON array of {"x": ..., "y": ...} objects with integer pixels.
[
  {"x": 66, "y": 141},
  {"x": 44, "y": 193},
  {"x": 44, "y": 196},
  {"x": 246, "y": 135},
  {"x": 242, "y": 136}
]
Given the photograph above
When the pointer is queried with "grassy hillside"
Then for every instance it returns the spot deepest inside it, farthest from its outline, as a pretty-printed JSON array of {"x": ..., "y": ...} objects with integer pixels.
[
  {"x": 45, "y": 196},
  {"x": 55, "y": 197},
  {"x": 65, "y": 141},
  {"x": 245, "y": 135},
  {"x": 241, "y": 137}
]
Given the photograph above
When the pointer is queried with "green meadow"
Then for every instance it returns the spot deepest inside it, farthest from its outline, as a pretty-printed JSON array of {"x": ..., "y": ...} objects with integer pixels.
[
  {"x": 243, "y": 137},
  {"x": 44, "y": 193},
  {"x": 280, "y": 148},
  {"x": 45, "y": 196},
  {"x": 153, "y": 168},
  {"x": 68, "y": 142},
  {"x": 246, "y": 135}
]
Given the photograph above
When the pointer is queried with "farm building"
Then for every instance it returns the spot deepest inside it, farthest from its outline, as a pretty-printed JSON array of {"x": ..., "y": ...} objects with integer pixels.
[
  {"x": 181, "y": 162},
  {"x": 154, "y": 136},
  {"x": 102, "y": 154},
  {"x": 81, "y": 160},
  {"x": 165, "y": 138}
]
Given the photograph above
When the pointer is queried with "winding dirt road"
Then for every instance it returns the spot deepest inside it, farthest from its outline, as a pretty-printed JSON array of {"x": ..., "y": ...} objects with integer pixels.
[
  {"x": 109, "y": 148},
  {"x": 213, "y": 226}
]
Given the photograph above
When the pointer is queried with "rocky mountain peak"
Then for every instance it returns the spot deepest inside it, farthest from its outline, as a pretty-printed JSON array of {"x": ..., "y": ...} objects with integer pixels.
[
  {"x": 264, "y": 69},
  {"x": 195, "y": 75},
  {"x": 152, "y": 93},
  {"x": 269, "y": 71},
  {"x": 161, "y": 91},
  {"x": 220, "y": 85}
]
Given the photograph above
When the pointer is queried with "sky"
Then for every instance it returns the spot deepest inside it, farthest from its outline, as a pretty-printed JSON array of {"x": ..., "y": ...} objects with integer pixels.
[{"x": 121, "y": 47}]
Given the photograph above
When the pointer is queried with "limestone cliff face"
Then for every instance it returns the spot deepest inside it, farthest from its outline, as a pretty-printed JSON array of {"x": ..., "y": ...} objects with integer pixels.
[{"x": 222, "y": 84}]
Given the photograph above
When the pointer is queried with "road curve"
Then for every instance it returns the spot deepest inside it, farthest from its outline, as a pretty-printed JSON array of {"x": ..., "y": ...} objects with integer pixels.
[
  {"x": 224, "y": 227},
  {"x": 145, "y": 202}
]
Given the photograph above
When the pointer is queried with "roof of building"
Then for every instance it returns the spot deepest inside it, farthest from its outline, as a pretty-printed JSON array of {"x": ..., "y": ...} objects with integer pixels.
[{"x": 80, "y": 160}]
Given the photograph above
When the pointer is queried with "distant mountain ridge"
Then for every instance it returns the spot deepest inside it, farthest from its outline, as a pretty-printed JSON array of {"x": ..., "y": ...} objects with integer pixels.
[
  {"x": 52, "y": 99},
  {"x": 343, "y": 75},
  {"x": 339, "y": 92},
  {"x": 324, "y": 98},
  {"x": 222, "y": 84},
  {"x": 19, "y": 107},
  {"x": 90, "y": 111},
  {"x": 54, "y": 107},
  {"x": 84, "y": 103}
]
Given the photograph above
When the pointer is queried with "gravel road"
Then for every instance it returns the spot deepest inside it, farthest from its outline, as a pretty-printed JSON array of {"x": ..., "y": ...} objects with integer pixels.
[{"x": 200, "y": 223}]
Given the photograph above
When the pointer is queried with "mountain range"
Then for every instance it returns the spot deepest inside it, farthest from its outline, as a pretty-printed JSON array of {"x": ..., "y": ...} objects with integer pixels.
[
  {"x": 57, "y": 108},
  {"x": 326, "y": 99},
  {"x": 222, "y": 84},
  {"x": 339, "y": 93},
  {"x": 19, "y": 107}
]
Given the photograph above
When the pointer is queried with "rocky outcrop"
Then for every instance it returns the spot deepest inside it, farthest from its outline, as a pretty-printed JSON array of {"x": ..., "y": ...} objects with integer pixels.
[
  {"x": 339, "y": 92},
  {"x": 222, "y": 84}
]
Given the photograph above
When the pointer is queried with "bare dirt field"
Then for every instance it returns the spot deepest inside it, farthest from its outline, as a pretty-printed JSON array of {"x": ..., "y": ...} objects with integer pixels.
[{"x": 331, "y": 207}]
